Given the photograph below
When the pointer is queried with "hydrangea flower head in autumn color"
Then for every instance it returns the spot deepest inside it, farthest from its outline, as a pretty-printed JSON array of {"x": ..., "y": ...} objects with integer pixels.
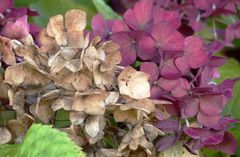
[{"x": 180, "y": 67}]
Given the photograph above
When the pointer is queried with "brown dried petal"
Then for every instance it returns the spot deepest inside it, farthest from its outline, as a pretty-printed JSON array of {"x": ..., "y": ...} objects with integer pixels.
[
  {"x": 133, "y": 145},
  {"x": 68, "y": 53},
  {"x": 131, "y": 116},
  {"x": 64, "y": 102},
  {"x": 152, "y": 132},
  {"x": 111, "y": 153},
  {"x": 75, "y": 39},
  {"x": 110, "y": 47},
  {"x": 55, "y": 26},
  {"x": 43, "y": 110},
  {"x": 92, "y": 126},
  {"x": 23, "y": 74},
  {"x": 134, "y": 83},
  {"x": 91, "y": 58},
  {"x": 17, "y": 101},
  {"x": 48, "y": 44},
  {"x": 81, "y": 82},
  {"x": 75, "y": 20},
  {"x": 74, "y": 65},
  {"x": 145, "y": 143},
  {"x": 73, "y": 131},
  {"x": 145, "y": 105},
  {"x": 111, "y": 61},
  {"x": 18, "y": 129},
  {"x": 5, "y": 135},
  {"x": 92, "y": 103},
  {"x": 103, "y": 79},
  {"x": 6, "y": 51},
  {"x": 57, "y": 63},
  {"x": 77, "y": 118},
  {"x": 125, "y": 141},
  {"x": 112, "y": 98}
]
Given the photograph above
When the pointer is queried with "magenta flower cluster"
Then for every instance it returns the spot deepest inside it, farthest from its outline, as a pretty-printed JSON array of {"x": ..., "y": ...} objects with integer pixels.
[
  {"x": 14, "y": 21},
  {"x": 198, "y": 15},
  {"x": 181, "y": 69}
]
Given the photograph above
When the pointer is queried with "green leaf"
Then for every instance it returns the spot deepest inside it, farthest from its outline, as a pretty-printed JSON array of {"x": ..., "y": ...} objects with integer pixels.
[
  {"x": 24, "y": 3},
  {"x": 137, "y": 64},
  {"x": 49, "y": 8},
  {"x": 105, "y": 10},
  {"x": 5, "y": 116},
  {"x": 232, "y": 70},
  {"x": 42, "y": 141}
]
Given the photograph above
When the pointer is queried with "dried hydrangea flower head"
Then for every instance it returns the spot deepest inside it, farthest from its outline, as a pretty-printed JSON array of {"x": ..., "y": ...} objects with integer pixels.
[{"x": 81, "y": 76}]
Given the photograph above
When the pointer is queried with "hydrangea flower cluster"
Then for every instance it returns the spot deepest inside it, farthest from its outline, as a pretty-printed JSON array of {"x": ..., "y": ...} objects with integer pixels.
[
  {"x": 14, "y": 25},
  {"x": 181, "y": 68},
  {"x": 201, "y": 15}
]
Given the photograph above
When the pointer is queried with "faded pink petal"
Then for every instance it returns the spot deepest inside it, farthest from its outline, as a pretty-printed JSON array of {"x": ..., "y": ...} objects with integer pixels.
[
  {"x": 229, "y": 144},
  {"x": 128, "y": 50},
  {"x": 16, "y": 30},
  {"x": 194, "y": 52},
  {"x": 101, "y": 26},
  {"x": 138, "y": 17},
  {"x": 182, "y": 88},
  {"x": 192, "y": 108},
  {"x": 4, "y": 4},
  {"x": 147, "y": 48},
  {"x": 182, "y": 64},
  {"x": 151, "y": 69},
  {"x": 156, "y": 92},
  {"x": 211, "y": 105},
  {"x": 167, "y": 38},
  {"x": 119, "y": 26},
  {"x": 208, "y": 121},
  {"x": 172, "y": 17},
  {"x": 169, "y": 70},
  {"x": 168, "y": 84}
]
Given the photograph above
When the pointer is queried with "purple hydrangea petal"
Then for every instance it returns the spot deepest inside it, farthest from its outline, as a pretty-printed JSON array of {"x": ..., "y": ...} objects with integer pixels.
[
  {"x": 138, "y": 17},
  {"x": 195, "y": 55},
  {"x": 167, "y": 38},
  {"x": 4, "y": 4},
  {"x": 168, "y": 126},
  {"x": 16, "y": 30},
  {"x": 147, "y": 48},
  {"x": 151, "y": 69},
  {"x": 166, "y": 142},
  {"x": 182, "y": 64},
  {"x": 213, "y": 139},
  {"x": 229, "y": 144},
  {"x": 169, "y": 70},
  {"x": 127, "y": 49},
  {"x": 211, "y": 105},
  {"x": 172, "y": 17},
  {"x": 208, "y": 121},
  {"x": 192, "y": 108}
]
